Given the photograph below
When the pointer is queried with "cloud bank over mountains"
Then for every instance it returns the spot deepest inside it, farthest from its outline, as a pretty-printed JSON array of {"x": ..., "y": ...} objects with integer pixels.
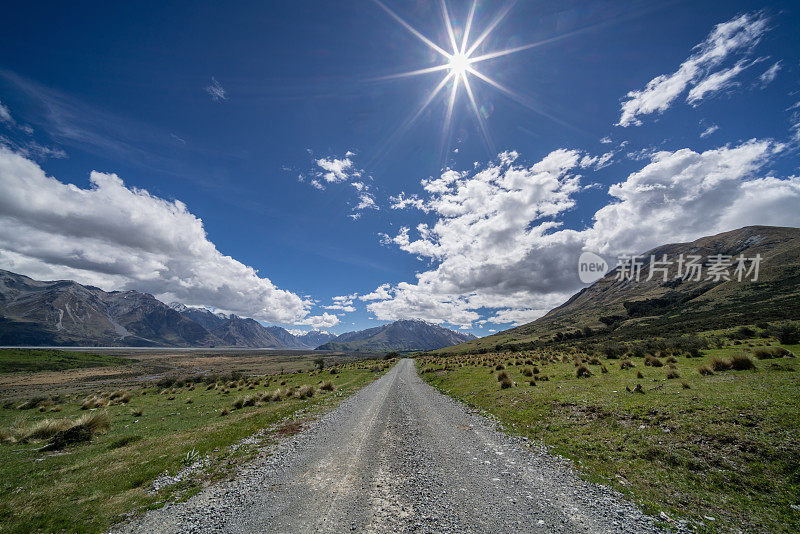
[
  {"x": 117, "y": 237},
  {"x": 499, "y": 244}
]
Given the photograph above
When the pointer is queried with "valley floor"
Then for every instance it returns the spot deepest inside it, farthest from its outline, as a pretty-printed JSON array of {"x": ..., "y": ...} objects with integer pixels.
[{"x": 400, "y": 457}]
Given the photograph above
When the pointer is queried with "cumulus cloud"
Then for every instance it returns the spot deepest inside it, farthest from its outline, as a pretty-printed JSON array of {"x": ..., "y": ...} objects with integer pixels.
[
  {"x": 120, "y": 237},
  {"x": 216, "y": 91},
  {"x": 337, "y": 170},
  {"x": 500, "y": 252},
  {"x": 317, "y": 322},
  {"x": 738, "y": 35},
  {"x": 343, "y": 303}
]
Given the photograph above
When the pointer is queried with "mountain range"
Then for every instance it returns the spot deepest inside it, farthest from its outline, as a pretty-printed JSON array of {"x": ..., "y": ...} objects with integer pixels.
[
  {"x": 625, "y": 306},
  {"x": 66, "y": 313},
  {"x": 404, "y": 335}
]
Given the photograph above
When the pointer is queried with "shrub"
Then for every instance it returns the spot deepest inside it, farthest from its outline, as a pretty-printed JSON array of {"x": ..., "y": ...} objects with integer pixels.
[
  {"x": 741, "y": 362},
  {"x": 789, "y": 334},
  {"x": 582, "y": 372}
]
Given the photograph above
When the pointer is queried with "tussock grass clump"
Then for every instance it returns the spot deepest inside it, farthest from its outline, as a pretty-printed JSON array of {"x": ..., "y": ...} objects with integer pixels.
[
  {"x": 305, "y": 392},
  {"x": 741, "y": 362},
  {"x": 583, "y": 372},
  {"x": 527, "y": 372},
  {"x": 506, "y": 382},
  {"x": 224, "y": 411},
  {"x": 639, "y": 374},
  {"x": 626, "y": 364},
  {"x": 672, "y": 373},
  {"x": 719, "y": 364},
  {"x": 768, "y": 353},
  {"x": 653, "y": 361},
  {"x": 137, "y": 412},
  {"x": 705, "y": 370},
  {"x": 31, "y": 403},
  {"x": 594, "y": 361},
  {"x": 327, "y": 385},
  {"x": 503, "y": 375},
  {"x": 85, "y": 426}
]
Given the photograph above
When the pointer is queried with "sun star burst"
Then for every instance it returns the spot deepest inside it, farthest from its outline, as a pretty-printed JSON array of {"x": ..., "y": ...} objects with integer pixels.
[{"x": 459, "y": 65}]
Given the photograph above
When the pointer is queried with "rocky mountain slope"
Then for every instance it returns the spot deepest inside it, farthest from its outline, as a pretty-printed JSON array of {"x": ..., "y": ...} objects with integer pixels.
[
  {"x": 681, "y": 303},
  {"x": 398, "y": 336},
  {"x": 64, "y": 312}
]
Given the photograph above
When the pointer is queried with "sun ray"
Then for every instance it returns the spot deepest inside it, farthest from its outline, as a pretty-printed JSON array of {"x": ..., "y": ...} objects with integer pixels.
[
  {"x": 449, "y": 25},
  {"x": 468, "y": 26},
  {"x": 449, "y": 116},
  {"x": 478, "y": 117},
  {"x": 497, "y": 20},
  {"x": 500, "y": 53},
  {"x": 411, "y": 29},
  {"x": 436, "y": 68}
]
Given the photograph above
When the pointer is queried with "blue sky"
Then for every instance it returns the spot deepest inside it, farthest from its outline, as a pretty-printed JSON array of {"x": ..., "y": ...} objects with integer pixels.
[{"x": 238, "y": 113}]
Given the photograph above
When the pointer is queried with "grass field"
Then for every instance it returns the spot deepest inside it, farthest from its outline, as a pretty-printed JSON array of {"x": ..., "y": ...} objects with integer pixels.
[
  {"x": 86, "y": 487},
  {"x": 720, "y": 450},
  {"x": 32, "y": 360}
]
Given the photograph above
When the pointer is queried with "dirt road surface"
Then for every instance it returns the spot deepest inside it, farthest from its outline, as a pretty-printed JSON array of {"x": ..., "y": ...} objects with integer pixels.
[{"x": 398, "y": 456}]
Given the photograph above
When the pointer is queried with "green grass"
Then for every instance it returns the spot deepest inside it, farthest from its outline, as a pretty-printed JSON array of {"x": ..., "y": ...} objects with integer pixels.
[
  {"x": 86, "y": 488},
  {"x": 726, "y": 447},
  {"x": 31, "y": 360}
]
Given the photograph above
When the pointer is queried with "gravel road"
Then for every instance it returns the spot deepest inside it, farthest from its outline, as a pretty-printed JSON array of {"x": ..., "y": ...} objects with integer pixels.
[{"x": 398, "y": 456}]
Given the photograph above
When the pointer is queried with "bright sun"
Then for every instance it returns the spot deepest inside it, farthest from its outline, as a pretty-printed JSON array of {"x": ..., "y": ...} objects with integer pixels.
[{"x": 459, "y": 63}]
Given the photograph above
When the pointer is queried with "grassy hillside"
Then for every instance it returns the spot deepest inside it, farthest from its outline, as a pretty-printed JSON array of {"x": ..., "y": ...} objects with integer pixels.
[
  {"x": 718, "y": 449},
  {"x": 625, "y": 309},
  {"x": 85, "y": 487}
]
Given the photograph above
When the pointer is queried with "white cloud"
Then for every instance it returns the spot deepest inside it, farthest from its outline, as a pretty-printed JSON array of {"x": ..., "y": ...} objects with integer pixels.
[
  {"x": 499, "y": 251},
  {"x": 716, "y": 82},
  {"x": 710, "y": 130},
  {"x": 317, "y": 322},
  {"x": 739, "y": 34},
  {"x": 343, "y": 303},
  {"x": 5, "y": 115},
  {"x": 337, "y": 170},
  {"x": 119, "y": 237},
  {"x": 216, "y": 91},
  {"x": 771, "y": 73}
]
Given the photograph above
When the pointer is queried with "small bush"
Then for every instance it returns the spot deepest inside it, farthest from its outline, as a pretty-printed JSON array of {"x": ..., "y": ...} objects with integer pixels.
[
  {"x": 789, "y": 334},
  {"x": 582, "y": 372}
]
